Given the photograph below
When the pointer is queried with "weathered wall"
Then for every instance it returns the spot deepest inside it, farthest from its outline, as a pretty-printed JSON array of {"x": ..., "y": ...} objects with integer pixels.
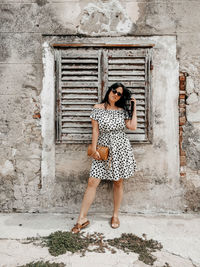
[{"x": 23, "y": 24}]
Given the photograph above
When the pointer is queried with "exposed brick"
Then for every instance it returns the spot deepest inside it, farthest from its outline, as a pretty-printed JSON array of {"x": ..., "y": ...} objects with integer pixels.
[
  {"x": 182, "y": 87},
  {"x": 182, "y": 152},
  {"x": 182, "y": 120},
  {"x": 182, "y": 160},
  {"x": 182, "y": 81},
  {"x": 182, "y": 101},
  {"x": 37, "y": 116},
  {"x": 182, "y": 112},
  {"x": 182, "y": 174},
  {"x": 180, "y": 140},
  {"x": 182, "y": 77},
  {"x": 182, "y": 96},
  {"x": 182, "y": 105}
]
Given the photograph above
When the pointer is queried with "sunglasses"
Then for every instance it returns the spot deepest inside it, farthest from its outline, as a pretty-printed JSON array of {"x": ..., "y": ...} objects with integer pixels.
[{"x": 115, "y": 92}]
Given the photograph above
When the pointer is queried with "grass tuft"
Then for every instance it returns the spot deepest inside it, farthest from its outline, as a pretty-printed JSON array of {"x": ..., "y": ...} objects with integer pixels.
[
  {"x": 43, "y": 264},
  {"x": 132, "y": 243},
  {"x": 60, "y": 242}
]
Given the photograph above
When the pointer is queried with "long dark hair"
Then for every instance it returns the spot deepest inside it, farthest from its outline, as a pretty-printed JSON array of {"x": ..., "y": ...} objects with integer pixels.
[{"x": 124, "y": 99}]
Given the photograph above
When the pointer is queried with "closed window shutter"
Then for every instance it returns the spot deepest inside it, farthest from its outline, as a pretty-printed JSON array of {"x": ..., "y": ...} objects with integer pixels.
[
  {"x": 83, "y": 76},
  {"x": 78, "y": 84},
  {"x": 132, "y": 68}
]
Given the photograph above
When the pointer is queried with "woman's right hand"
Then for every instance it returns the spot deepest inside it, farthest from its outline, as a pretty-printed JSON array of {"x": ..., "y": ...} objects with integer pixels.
[{"x": 96, "y": 155}]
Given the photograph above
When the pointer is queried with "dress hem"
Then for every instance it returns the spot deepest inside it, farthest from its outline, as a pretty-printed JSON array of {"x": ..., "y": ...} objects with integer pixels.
[{"x": 124, "y": 178}]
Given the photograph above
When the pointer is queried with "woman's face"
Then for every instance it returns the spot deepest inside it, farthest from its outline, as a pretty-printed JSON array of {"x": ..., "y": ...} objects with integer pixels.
[{"x": 113, "y": 96}]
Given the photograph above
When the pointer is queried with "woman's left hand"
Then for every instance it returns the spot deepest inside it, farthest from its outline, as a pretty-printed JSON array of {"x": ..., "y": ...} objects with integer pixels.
[
  {"x": 134, "y": 103},
  {"x": 134, "y": 100}
]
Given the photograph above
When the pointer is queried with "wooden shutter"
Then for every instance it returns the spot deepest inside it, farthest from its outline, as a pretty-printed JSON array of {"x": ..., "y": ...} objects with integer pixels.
[
  {"x": 78, "y": 88},
  {"x": 132, "y": 68},
  {"x": 83, "y": 76}
]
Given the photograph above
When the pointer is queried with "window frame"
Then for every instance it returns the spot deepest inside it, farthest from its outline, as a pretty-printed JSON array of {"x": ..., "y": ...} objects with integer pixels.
[{"x": 148, "y": 88}]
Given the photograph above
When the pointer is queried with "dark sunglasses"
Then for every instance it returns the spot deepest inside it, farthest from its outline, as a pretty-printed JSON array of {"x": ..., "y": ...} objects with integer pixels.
[{"x": 115, "y": 92}]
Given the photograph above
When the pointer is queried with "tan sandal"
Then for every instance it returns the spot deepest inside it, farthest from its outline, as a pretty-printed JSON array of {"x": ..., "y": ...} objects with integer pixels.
[
  {"x": 77, "y": 227},
  {"x": 115, "y": 220}
]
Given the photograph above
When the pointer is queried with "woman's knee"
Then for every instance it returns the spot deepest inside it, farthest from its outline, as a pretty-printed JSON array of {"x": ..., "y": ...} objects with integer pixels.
[
  {"x": 118, "y": 183},
  {"x": 93, "y": 182}
]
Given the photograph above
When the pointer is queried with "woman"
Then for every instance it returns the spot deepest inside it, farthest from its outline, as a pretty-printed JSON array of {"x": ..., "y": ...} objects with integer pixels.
[{"x": 109, "y": 119}]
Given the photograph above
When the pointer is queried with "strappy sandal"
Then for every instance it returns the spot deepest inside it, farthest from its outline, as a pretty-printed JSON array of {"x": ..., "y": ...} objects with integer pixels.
[
  {"x": 77, "y": 227},
  {"x": 115, "y": 220}
]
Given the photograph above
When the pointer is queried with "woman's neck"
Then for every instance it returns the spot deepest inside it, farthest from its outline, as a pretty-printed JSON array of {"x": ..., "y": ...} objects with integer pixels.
[{"x": 112, "y": 106}]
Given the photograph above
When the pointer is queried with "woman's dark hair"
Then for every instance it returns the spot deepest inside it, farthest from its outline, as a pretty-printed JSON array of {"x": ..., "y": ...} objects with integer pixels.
[{"x": 124, "y": 99}]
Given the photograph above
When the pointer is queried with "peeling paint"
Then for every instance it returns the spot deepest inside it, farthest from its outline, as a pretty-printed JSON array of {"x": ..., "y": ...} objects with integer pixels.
[
  {"x": 191, "y": 144},
  {"x": 7, "y": 168},
  {"x": 104, "y": 18}
]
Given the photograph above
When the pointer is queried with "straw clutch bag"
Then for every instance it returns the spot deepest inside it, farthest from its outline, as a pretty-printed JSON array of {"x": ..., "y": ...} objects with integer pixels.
[{"x": 103, "y": 151}]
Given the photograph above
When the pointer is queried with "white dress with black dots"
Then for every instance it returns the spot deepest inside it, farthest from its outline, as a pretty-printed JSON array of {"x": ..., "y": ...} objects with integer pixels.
[{"x": 111, "y": 133}]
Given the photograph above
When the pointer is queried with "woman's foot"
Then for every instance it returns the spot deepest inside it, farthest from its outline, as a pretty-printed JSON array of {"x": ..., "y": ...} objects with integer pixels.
[
  {"x": 115, "y": 223},
  {"x": 81, "y": 223},
  {"x": 82, "y": 220}
]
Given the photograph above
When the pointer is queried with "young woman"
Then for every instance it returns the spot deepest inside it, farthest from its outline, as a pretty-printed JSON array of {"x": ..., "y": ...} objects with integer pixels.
[{"x": 109, "y": 120}]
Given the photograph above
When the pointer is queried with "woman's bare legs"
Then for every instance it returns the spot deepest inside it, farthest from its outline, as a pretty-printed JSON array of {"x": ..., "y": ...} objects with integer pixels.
[
  {"x": 117, "y": 197},
  {"x": 88, "y": 198}
]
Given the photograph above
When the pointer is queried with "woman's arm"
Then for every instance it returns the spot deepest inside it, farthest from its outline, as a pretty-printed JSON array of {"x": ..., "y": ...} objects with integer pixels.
[
  {"x": 95, "y": 134},
  {"x": 132, "y": 124}
]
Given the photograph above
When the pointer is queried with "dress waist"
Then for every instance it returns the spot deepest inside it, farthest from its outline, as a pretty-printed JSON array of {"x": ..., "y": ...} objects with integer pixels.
[{"x": 112, "y": 132}]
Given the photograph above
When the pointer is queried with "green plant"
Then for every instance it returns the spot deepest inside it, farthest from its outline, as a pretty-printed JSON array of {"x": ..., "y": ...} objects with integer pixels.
[{"x": 43, "y": 264}]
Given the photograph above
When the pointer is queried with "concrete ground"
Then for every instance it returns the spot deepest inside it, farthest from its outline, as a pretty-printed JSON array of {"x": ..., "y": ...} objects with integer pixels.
[{"x": 179, "y": 235}]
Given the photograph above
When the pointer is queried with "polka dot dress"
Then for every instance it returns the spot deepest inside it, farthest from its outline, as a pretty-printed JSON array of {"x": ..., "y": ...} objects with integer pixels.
[{"x": 121, "y": 161}]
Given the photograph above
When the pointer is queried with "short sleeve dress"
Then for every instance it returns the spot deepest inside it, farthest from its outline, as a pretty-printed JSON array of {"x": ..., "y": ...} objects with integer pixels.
[{"x": 121, "y": 162}]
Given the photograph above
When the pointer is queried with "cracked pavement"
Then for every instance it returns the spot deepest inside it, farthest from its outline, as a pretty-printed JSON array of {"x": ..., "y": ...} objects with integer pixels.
[{"x": 178, "y": 233}]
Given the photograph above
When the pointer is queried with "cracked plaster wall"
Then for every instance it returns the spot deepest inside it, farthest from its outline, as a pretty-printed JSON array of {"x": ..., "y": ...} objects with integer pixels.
[{"x": 22, "y": 148}]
